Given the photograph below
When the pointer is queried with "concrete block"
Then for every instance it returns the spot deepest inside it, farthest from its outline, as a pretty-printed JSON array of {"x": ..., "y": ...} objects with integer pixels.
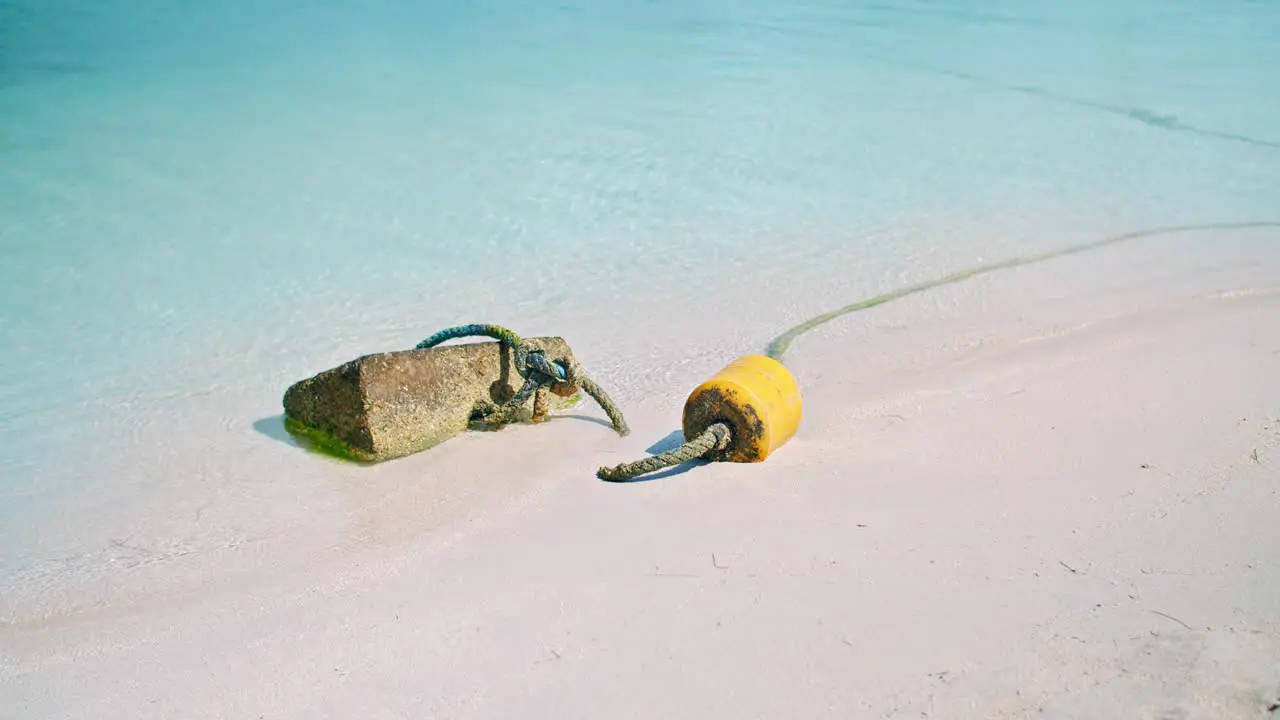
[{"x": 388, "y": 405}]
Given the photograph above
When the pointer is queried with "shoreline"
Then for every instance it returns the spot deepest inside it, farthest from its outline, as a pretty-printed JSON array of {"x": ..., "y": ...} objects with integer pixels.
[
  {"x": 1018, "y": 489},
  {"x": 910, "y": 332}
]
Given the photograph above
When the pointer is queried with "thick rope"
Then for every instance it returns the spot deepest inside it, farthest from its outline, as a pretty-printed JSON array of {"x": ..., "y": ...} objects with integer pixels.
[
  {"x": 497, "y": 332},
  {"x": 715, "y": 437},
  {"x": 598, "y": 394},
  {"x": 540, "y": 374}
]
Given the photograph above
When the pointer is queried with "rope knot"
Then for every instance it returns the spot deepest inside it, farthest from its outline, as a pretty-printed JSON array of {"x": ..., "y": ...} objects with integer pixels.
[
  {"x": 532, "y": 364},
  {"x": 562, "y": 376},
  {"x": 521, "y": 353}
]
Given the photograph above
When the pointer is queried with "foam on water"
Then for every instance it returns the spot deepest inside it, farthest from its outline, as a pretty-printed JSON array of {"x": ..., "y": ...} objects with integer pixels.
[{"x": 202, "y": 204}]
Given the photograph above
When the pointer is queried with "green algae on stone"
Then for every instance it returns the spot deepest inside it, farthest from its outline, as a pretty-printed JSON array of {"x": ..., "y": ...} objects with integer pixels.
[{"x": 315, "y": 440}]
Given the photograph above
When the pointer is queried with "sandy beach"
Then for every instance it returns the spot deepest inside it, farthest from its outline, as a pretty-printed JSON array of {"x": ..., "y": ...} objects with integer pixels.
[
  {"x": 1038, "y": 506},
  {"x": 1045, "y": 491}
]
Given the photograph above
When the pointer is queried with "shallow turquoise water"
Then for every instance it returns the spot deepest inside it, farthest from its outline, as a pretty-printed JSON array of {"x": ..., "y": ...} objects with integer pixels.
[{"x": 222, "y": 199}]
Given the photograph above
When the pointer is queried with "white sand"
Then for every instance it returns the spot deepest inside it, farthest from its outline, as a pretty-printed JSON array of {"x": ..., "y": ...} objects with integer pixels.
[{"x": 1028, "y": 507}]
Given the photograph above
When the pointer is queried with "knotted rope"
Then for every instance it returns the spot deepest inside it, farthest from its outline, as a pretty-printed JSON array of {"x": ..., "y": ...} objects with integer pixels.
[{"x": 563, "y": 376}]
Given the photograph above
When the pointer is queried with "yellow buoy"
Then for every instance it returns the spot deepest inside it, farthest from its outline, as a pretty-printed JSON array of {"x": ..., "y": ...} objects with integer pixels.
[
  {"x": 749, "y": 409},
  {"x": 757, "y": 397}
]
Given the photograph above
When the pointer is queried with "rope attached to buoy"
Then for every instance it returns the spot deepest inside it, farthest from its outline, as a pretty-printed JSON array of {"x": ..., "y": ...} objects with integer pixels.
[
  {"x": 717, "y": 437},
  {"x": 742, "y": 414},
  {"x": 562, "y": 376}
]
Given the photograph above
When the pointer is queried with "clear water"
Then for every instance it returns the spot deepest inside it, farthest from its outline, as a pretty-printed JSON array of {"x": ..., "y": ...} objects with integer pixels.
[{"x": 201, "y": 203}]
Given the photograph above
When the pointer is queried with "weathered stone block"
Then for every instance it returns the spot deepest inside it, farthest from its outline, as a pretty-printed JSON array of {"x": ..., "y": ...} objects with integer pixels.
[{"x": 388, "y": 405}]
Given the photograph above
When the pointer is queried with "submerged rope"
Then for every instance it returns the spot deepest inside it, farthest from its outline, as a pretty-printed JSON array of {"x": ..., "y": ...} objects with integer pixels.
[
  {"x": 541, "y": 374},
  {"x": 702, "y": 444},
  {"x": 782, "y": 343}
]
